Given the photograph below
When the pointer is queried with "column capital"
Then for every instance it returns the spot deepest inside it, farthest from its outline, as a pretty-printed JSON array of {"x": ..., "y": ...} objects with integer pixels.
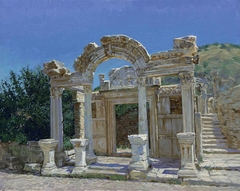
[
  {"x": 56, "y": 91},
  {"x": 140, "y": 72},
  {"x": 87, "y": 88},
  {"x": 187, "y": 78},
  {"x": 141, "y": 81}
]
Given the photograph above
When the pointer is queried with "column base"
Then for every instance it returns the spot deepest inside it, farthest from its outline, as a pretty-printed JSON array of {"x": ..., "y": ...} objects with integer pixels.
[
  {"x": 47, "y": 169},
  {"x": 79, "y": 171},
  {"x": 188, "y": 172},
  {"x": 60, "y": 158},
  {"x": 139, "y": 165},
  {"x": 91, "y": 158}
]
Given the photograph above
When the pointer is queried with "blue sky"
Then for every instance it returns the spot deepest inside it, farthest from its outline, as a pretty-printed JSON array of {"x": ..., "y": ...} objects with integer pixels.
[{"x": 36, "y": 31}]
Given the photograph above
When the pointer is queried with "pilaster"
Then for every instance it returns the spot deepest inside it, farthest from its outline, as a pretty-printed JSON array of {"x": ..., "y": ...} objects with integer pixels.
[{"x": 187, "y": 89}]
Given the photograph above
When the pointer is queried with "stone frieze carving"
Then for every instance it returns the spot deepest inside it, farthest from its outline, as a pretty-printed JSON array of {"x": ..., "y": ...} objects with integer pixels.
[
  {"x": 187, "y": 77},
  {"x": 184, "y": 50},
  {"x": 169, "y": 90},
  {"x": 123, "y": 77}
]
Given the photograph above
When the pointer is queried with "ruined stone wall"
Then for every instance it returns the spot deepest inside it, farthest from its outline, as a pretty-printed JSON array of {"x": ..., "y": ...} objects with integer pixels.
[
  {"x": 228, "y": 110},
  {"x": 30, "y": 153},
  {"x": 4, "y": 152}
]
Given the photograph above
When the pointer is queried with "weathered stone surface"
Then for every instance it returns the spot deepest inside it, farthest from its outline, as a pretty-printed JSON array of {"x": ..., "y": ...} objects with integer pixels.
[
  {"x": 137, "y": 175},
  {"x": 187, "y": 169},
  {"x": 56, "y": 69},
  {"x": 48, "y": 146},
  {"x": 80, "y": 151},
  {"x": 140, "y": 154},
  {"x": 228, "y": 110},
  {"x": 32, "y": 167}
]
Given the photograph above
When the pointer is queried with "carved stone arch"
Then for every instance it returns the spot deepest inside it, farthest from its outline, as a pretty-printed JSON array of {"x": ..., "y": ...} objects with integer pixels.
[{"x": 118, "y": 46}]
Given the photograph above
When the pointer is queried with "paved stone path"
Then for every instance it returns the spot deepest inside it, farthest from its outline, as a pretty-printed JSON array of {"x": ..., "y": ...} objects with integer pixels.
[{"x": 11, "y": 181}]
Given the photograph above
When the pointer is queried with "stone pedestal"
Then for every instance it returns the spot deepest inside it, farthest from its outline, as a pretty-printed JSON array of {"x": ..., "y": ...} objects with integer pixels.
[
  {"x": 140, "y": 157},
  {"x": 186, "y": 141},
  {"x": 80, "y": 151},
  {"x": 48, "y": 147}
]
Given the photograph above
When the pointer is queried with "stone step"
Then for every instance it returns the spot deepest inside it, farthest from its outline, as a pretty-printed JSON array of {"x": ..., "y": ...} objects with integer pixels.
[
  {"x": 212, "y": 137},
  {"x": 213, "y": 129},
  {"x": 215, "y": 133},
  {"x": 210, "y": 122},
  {"x": 210, "y": 115},
  {"x": 210, "y": 126},
  {"x": 214, "y": 145},
  {"x": 221, "y": 151},
  {"x": 209, "y": 119},
  {"x": 108, "y": 167},
  {"x": 210, "y": 141}
]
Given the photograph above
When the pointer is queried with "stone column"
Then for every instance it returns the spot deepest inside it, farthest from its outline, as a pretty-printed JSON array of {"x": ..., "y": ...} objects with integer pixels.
[
  {"x": 198, "y": 126},
  {"x": 140, "y": 156},
  {"x": 80, "y": 151},
  {"x": 187, "y": 169},
  {"x": 78, "y": 101},
  {"x": 142, "y": 109},
  {"x": 91, "y": 157},
  {"x": 48, "y": 148},
  {"x": 56, "y": 119},
  {"x": 187, "y": 90}
]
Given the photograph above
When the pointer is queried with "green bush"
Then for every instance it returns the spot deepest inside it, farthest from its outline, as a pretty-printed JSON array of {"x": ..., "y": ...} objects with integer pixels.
[
  {"x": 25, "y": 107},
  {"x": 67, "y": 145}
]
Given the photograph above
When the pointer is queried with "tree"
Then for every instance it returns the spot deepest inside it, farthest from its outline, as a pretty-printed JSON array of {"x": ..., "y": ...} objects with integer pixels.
[{"x": 25, "y": 107}]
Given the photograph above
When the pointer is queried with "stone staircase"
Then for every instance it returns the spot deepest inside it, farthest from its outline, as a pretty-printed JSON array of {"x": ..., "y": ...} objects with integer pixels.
[{"x": 213, "y": 141}]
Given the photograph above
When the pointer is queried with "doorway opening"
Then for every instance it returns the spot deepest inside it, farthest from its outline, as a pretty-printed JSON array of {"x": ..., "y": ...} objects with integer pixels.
[{"x": 127, "y": 124}]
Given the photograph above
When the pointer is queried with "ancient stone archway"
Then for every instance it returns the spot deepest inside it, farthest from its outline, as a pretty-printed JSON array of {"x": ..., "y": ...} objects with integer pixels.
[{"x": 119, "y": 46}]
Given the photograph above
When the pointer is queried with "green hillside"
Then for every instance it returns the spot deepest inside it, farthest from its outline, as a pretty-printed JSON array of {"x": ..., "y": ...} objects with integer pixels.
[{"x": 222, "y": 57}]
